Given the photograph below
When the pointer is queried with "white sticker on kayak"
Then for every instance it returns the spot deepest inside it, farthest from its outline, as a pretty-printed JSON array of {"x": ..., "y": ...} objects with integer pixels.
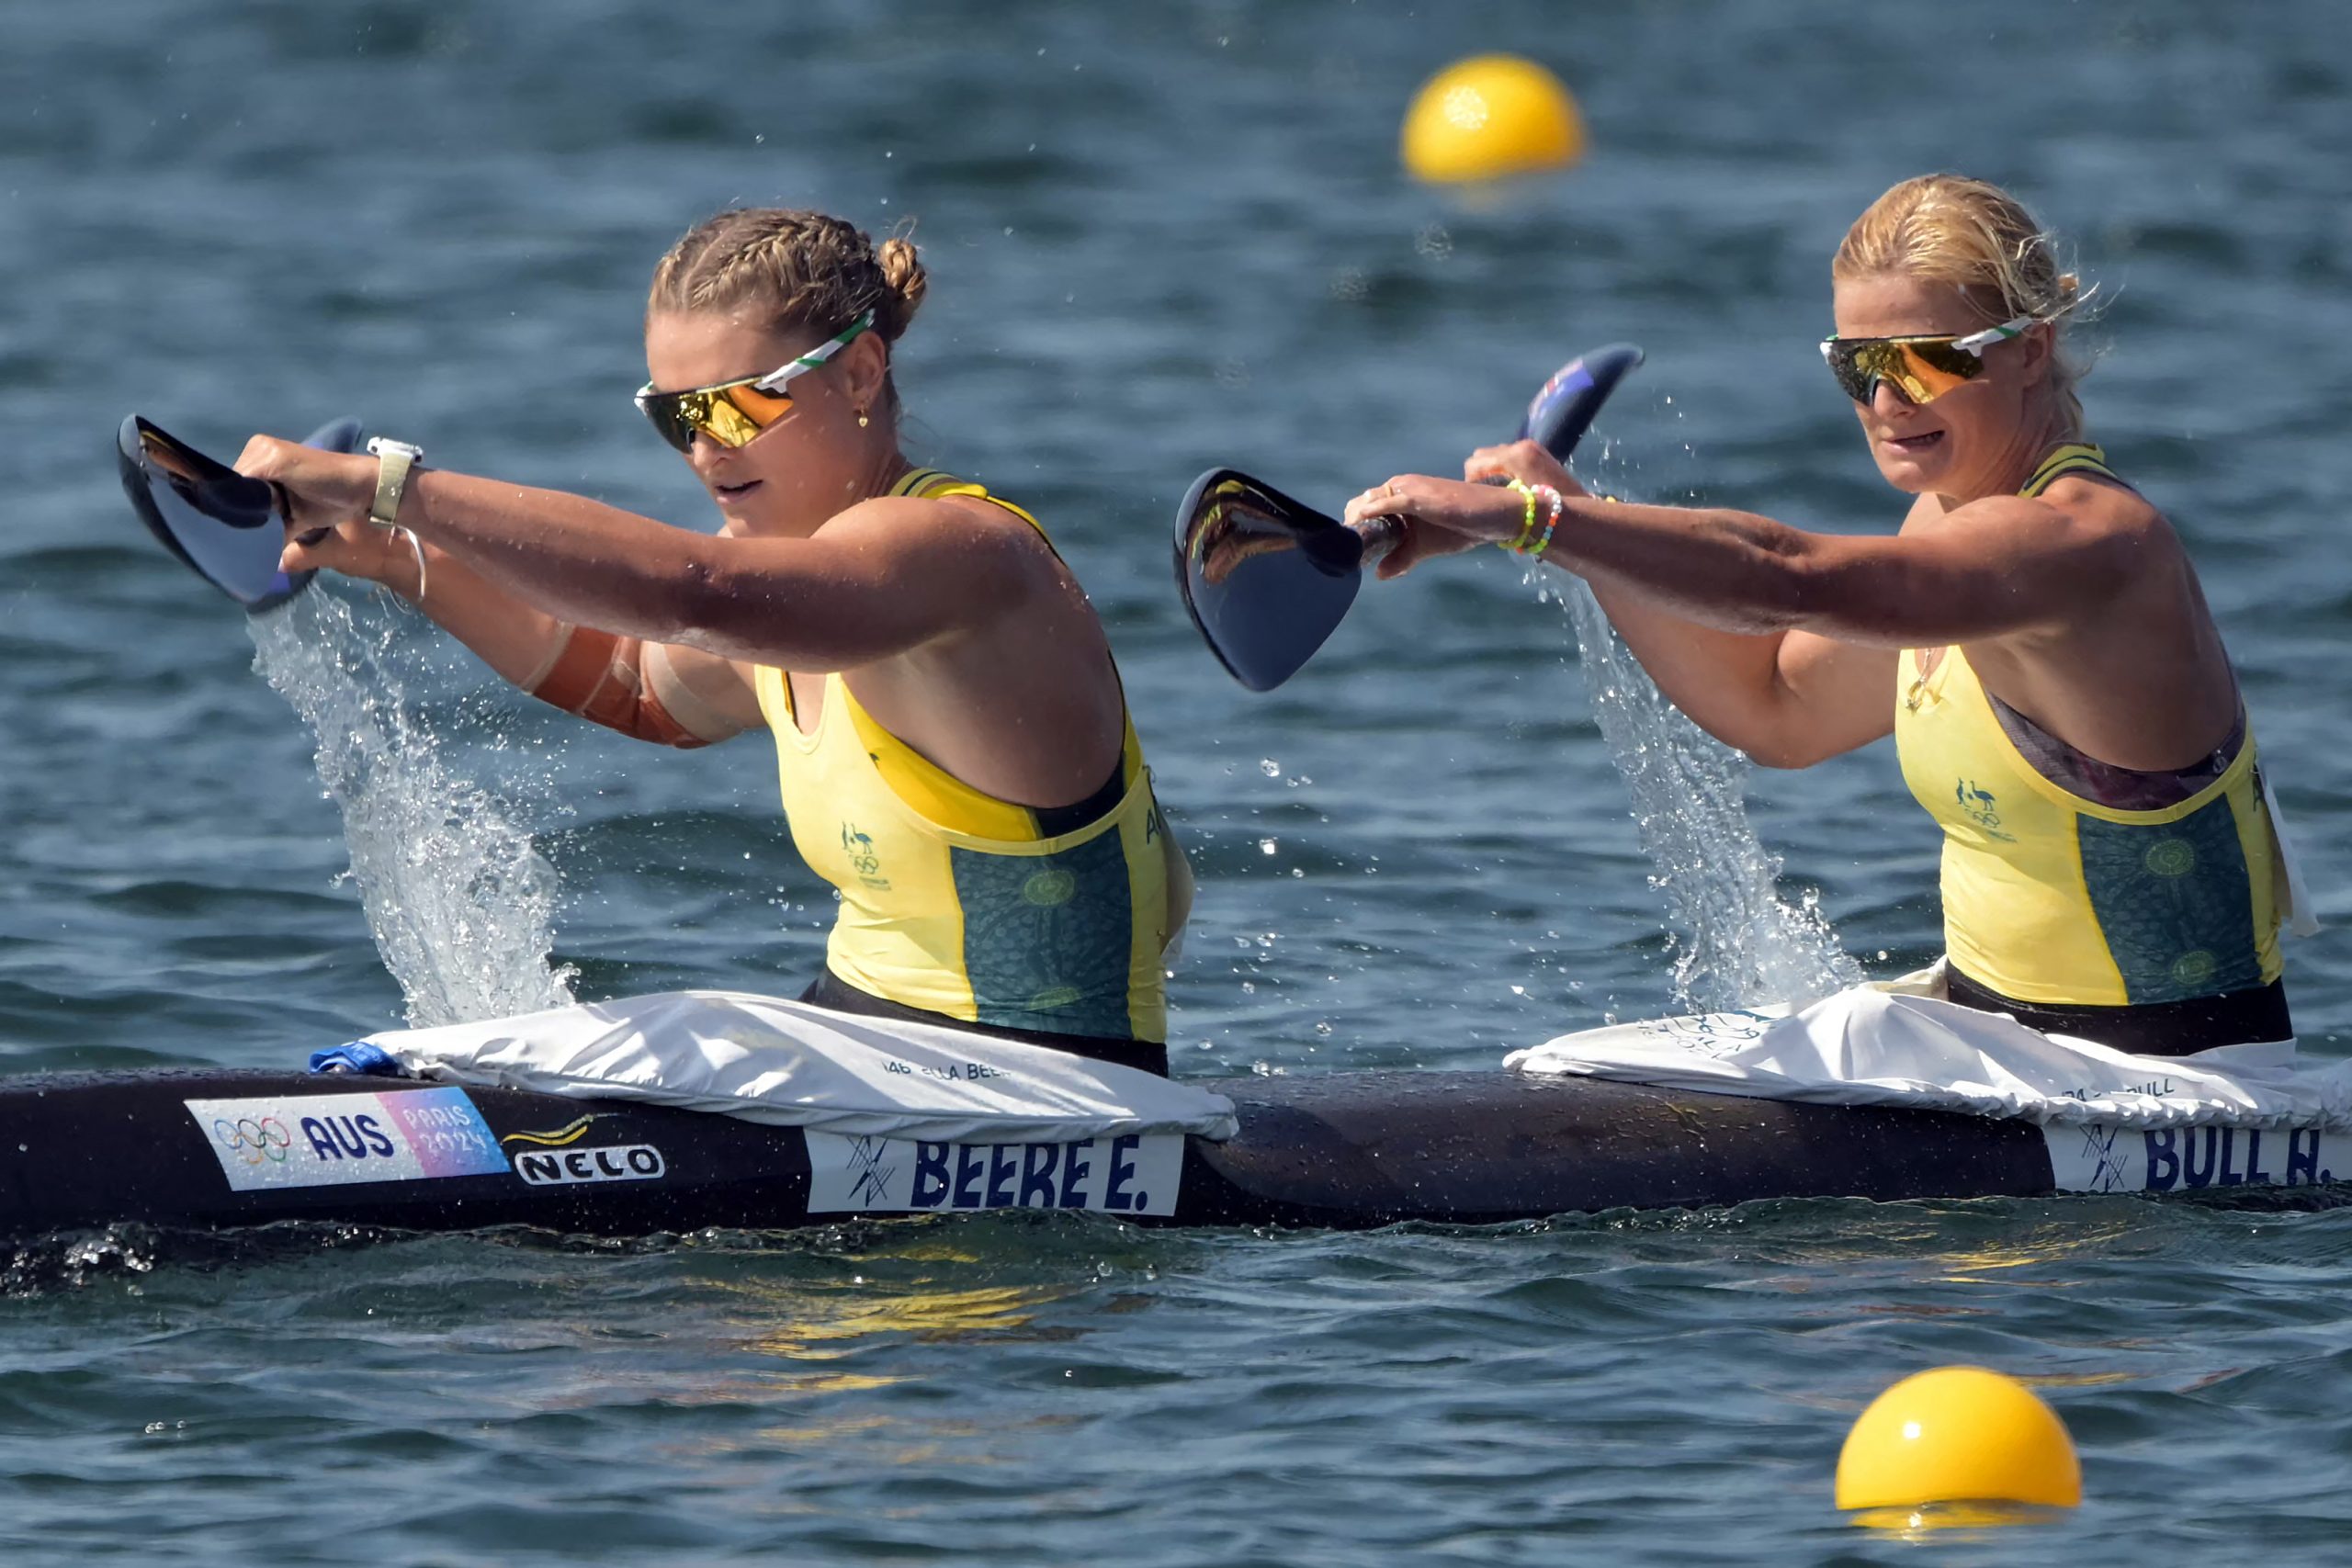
[
  {"x": 2106, "y": 1159},
  {"x": 329, "y": 1140},
  {"x": 1132, "y": 1174}
]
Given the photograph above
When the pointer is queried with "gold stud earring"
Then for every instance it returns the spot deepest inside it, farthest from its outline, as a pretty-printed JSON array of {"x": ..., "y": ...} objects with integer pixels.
[{"x": 861, "y": 419}]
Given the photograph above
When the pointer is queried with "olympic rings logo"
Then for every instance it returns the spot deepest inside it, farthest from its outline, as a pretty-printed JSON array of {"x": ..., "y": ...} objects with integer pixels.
[{"x": 266, "y": 1139}]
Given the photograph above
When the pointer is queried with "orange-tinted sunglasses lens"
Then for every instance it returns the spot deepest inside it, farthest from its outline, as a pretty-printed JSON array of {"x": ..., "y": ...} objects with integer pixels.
[
  {"x": 731, "y": 415},
  {"x": 1921, "y": 368}
]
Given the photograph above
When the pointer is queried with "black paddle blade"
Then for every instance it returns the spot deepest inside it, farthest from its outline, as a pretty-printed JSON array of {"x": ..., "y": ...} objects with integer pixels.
[
  {"x": 1266, "y": 578},
  {"x": 221, "y": 525}
]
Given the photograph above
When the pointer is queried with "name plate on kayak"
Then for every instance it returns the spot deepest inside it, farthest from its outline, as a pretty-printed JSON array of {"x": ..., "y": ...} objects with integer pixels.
[
  {"x": 2193, "y": 1159},
  {"x": 330, "y": 1140},
  {"x": 1126, "y": 1175}
]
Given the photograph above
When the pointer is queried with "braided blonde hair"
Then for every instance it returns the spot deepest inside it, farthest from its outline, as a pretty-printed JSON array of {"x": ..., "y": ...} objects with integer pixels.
[
  {"x": 1979, "y": 238},
  {"x": 798, "y": 270}
]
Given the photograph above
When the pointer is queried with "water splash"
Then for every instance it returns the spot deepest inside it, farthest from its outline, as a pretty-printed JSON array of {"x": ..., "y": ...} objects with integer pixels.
[
  {"x": 457, "y": 896},
  {"x": 1737, "y": 941}
]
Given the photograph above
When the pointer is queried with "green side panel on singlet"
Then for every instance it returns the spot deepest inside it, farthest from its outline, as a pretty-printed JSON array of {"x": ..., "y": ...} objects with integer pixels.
[
  {"x": 1048, "y": 940},
  {"x": 2175, "y": 902}
]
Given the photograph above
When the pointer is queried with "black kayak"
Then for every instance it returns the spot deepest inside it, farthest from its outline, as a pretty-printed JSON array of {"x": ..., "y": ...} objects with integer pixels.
[{"x": 211, "y": 1150}]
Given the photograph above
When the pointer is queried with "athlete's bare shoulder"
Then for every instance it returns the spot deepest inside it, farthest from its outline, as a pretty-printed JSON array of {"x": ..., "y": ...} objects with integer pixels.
[{"x": 2097, "y": 500}]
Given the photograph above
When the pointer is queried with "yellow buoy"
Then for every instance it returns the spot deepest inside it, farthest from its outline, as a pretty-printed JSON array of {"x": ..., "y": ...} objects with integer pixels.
[
  {"x": 1488, "y": 118},
  {"x": 1958, "y": 1435}
]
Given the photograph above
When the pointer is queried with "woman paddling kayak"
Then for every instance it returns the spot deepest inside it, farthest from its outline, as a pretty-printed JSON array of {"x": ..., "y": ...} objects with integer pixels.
[
  {"x": 954, "y": 747},
  {"x": 2034, "y": 638}
]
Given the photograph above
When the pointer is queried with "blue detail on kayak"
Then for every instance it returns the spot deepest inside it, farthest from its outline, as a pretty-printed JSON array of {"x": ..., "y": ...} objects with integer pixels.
[{"x": 358, "y": 1058}]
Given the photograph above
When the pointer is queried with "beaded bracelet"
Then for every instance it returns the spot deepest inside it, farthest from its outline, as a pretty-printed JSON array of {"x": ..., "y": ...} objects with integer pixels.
[
  {"x": 1555, "y": 503},
  {"x": 1531, "y": 543},
  {"x": 1527, "y": 521}
]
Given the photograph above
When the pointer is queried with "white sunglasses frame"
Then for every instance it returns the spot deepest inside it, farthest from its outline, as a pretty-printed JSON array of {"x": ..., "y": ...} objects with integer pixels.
[{"x": 774, "y": 381}]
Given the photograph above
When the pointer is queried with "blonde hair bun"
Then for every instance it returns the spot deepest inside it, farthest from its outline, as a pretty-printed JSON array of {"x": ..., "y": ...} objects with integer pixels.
[{"x": 903, "y": 275}]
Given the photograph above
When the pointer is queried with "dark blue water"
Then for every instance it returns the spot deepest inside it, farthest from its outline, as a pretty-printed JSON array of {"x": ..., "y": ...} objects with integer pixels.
[{"x": 1160, "y": 238}]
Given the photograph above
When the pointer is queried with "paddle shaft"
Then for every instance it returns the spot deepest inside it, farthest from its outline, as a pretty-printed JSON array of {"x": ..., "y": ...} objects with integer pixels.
[{"x": 1381, "y": 535}]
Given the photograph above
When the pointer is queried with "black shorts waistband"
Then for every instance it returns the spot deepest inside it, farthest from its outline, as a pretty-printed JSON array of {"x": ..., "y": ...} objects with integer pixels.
[
  {"x": 830, "y": 990},
  {"x": 2147, "y": 1029}
]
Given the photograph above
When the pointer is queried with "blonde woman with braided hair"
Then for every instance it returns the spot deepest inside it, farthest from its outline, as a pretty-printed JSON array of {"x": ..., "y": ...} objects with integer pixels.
[
  {"x": 954, "y": 747},
  {"x": 2034, "y": 638}
]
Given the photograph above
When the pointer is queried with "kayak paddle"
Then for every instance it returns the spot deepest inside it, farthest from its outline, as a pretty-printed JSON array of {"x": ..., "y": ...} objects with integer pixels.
[
  {"x": 1267, "y": 579},
  {"x": 223, "y": 526}
]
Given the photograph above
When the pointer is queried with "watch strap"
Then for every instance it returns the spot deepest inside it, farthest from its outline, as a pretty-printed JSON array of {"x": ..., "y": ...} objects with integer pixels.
[{"x": 394, "y": 459}]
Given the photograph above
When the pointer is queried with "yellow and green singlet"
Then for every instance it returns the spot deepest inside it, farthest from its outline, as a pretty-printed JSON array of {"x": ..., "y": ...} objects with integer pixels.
[
  {"x": 962, "y": 905},
  {"x": 2054, "y": 898}
]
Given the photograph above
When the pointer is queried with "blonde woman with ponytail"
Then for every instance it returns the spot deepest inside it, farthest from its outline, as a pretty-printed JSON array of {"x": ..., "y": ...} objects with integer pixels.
[
  {"x": 2034, "y": 638},
  {"x": 954, "y": 748}
]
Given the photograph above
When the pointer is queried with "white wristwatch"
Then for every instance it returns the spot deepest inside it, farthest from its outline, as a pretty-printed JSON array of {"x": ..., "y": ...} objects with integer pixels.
[{"x": 394, "y": 461}]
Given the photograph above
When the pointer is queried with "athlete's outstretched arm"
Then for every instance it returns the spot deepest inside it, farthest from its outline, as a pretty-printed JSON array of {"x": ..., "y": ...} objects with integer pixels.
[
  {"x": 884, "y": 578},
  {"x": 1993, "y": 568},
  {"x": 1776, "y": 641},
  {"x": 674, "y": 695}
]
